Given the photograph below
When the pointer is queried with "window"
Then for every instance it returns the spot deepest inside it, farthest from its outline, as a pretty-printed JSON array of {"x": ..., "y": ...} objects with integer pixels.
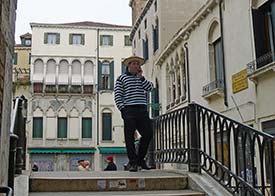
[
  {"x": 264, "y": 26},
  {"x": 86, "y": 127},
  {"x": 127, "y": 41},
  {"x": 138, "y": 34},
  {"x": 14, "y": 59},
  {"x": 62, "y": 127},
  {"x": 51, "y": 38},
  {"x": 156, "y": 5},
  {"x": 28, "y": 42},
  {"x": 123, "y": 68},
  {"x": 145, "y": 48},
  {"x": 156, "y": 36},
  {"x": 106, "y": 81},
  {"x": 30, "y": 56},
  {"x": 77, "y": 39},
  {"x": 106, "y": 126},
  {"x": 106, "y": 40},
  {"x": 37, "y": 127},
  {"x": 145, "y": 24}
]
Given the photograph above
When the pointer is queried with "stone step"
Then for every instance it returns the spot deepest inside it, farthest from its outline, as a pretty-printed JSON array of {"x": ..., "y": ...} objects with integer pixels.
[
  {"x": 122, "y": 193},
  {"x": 106, "y": 181}
]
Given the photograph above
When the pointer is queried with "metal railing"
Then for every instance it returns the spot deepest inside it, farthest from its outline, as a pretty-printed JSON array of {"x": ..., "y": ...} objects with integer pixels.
[
  {"x": 6, "y": 190},
  {"x": 227, "y": 150},
  {"x": 217, "y": 84},
  {"x": 259, "y": 62},
  {"x": 17, "y": 153}
]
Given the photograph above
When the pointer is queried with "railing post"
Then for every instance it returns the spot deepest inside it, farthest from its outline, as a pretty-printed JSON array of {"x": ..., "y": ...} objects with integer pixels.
[
  {"x": 151, "y": 154},
  {"x": 12, "y": 157},
  {"x": 194, "y": 156},
  {"x": 271, "y": 165}
]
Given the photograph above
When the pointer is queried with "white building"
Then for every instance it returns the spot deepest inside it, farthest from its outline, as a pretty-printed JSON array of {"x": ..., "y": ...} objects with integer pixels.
[
  {"x": 222, "y": 57},
  {"x": 72, "y": 114}
]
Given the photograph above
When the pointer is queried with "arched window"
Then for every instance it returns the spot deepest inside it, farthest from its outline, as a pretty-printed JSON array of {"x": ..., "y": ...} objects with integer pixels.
[{"x": 76, "y": 77}]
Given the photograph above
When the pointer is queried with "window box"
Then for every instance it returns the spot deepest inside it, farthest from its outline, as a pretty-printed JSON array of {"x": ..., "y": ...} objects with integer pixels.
[
  {"x": 37, "y": 87},
  {"x": 50, "y": 89},
  {"x": 63, "y": 88},
  {"x": 75, "y": 89}
]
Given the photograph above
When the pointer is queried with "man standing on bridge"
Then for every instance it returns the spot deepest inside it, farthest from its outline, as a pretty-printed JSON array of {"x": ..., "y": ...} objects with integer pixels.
[{"x": 130, "y": 98}]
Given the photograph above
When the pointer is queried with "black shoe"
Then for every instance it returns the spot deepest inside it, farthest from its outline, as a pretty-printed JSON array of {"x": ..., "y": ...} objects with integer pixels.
[
  {"x": 143, "y": 165},
  {"x": 133, "y": 168}
]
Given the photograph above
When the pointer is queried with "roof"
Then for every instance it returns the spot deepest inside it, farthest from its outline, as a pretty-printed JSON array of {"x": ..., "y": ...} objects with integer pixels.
[
  {"x": 86, "y": 24},
  {"x": 26, "y": 35}
]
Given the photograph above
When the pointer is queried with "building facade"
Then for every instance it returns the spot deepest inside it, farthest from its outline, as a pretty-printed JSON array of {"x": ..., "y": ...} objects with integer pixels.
[
  {"x": 223, "y": 58},
  {"x": 72, "y": 112},
  {"x": 7, "y": 29}
]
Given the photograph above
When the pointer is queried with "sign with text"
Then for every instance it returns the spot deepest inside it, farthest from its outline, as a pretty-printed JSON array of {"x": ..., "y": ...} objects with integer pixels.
[{"x": 239, "y": 81}]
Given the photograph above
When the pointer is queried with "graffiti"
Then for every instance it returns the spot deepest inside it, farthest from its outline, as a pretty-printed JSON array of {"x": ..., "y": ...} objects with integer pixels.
[{"x": 44, "y": 165}]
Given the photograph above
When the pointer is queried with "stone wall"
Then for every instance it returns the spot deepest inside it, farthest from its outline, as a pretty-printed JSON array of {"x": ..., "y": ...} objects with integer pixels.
[{"x": 7, "y": 30}]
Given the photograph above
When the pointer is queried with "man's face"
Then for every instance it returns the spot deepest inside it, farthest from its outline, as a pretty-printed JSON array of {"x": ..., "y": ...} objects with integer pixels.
[{"x": 134, "y": 67}]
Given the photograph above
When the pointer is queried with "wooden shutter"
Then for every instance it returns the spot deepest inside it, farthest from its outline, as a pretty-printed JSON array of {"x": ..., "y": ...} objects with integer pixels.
[
  {"x": 37, "y": 128},
  {"x": 82, "y": 39},
  {"x": 70, "y": 39},
  {"x": 57, "y": 38},
  {"x": 86, "y": 127},
  {"x": 45, "y": 38},
  {"x": 111, "y": 40},
  {"x": 99, "y": 78},
  {"x": 62, "y": 128},
  {"x": 107, "y": 126},
  {"x": 112, "y": 75}
]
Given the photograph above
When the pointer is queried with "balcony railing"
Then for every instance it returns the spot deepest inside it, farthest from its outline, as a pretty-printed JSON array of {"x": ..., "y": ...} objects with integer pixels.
[
  {"x": 259, "y": 62},
  {"x": 237, "y": 156},
  {"x": 212, "y": 86}
]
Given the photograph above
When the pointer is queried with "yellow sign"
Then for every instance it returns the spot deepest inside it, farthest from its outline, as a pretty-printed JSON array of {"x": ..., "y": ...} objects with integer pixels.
[{"x": 239, "y": 81}]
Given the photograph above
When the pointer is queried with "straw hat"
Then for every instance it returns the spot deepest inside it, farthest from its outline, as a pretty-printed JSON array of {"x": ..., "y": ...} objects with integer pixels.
[{"x": 133, "y": 58}]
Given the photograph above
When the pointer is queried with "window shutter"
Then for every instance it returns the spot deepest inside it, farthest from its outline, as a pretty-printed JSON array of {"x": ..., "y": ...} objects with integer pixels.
[
  {"x": 37, "y": 130},
  {"x": 107, "y": 126},
  {"x": 30, "y": 55},
  {"x": 82, "y": 39},
  {"x": 15, "y": 57},
  {"x": 45, "y": 38},
  {"x": 112, "y": 75},
  {"x": 99, "y": 76},
  {"x": 62, "y": 128},
  {"x": 111, "y": 40},
  {"x": 86, "y": 127},
  {"x": 101, "y": 40},
  {"x": 123, "y": 68},
  {"x": 71, "y": 39},
  {"x": 57, "y": 38}
]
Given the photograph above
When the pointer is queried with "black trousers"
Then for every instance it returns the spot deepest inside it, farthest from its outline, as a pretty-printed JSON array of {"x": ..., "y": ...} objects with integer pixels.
[{"x": 137, "y": 118}]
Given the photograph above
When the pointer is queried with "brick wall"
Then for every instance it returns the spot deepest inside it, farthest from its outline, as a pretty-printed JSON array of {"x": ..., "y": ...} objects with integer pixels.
[{"x": 137, "y": 6}]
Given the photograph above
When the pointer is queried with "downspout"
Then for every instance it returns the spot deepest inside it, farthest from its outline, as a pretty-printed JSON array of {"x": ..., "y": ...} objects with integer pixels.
[
  {"x": 223, "y": 61},
  {"x": 187, "y": 71},
  {"x": 97, "y": 98}
]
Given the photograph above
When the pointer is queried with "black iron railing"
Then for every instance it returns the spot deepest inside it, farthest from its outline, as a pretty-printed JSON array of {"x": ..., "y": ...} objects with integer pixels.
[
  {"x": 239, "y": 157},
  {"x": 6, "y": 190},
  {"x": 259, "y": 62},
  {"x": 17, "y": 153}
]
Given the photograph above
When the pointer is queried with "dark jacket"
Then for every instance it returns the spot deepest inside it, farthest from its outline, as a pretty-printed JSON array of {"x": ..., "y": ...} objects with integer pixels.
[{"x": 111, "y": 167}]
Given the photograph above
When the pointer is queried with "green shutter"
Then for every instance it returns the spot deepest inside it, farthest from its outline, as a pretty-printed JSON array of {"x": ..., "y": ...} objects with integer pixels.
[
  {"x": 86, "y": 127},
  {"x": 45, "y": 38},
  {"x": 112, "y": 75},
  {"x": 101, "y": 40},
  {"x": 111, "y": 40},
  {"x": 99, "y": 76},
  {"x": 70, "y": 39},
  {"x": 57, "y": 38},
  {"x": 15, "y": 57},
  {"x": 123, "y": 68},
  {"x": 107, "y": 126},
  {"x": 37, "y": 128},
  {"x": 30, "y": 56},
  {"x": 62, "y": 128},
  {"x": 82, "y": 39}
]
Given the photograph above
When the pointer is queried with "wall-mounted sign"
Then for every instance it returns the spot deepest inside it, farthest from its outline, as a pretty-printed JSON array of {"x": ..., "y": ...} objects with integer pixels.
[{"x": 239, "y": 81}]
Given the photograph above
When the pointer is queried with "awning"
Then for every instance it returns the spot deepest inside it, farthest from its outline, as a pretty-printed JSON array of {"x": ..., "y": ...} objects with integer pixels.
[
  {"x": 112, "y": 150},
  {"x": 61, "y": 150}
]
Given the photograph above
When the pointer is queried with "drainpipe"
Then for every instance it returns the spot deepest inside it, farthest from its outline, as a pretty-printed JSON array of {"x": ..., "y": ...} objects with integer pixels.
[
  {"x": 97, "y": 94},
  {"x": 223, "y": 61},
  {"x": 187, "y": 72}
]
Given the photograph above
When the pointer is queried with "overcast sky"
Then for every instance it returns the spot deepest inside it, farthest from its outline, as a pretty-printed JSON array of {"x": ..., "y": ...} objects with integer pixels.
[{"x": 62, "y": 11}]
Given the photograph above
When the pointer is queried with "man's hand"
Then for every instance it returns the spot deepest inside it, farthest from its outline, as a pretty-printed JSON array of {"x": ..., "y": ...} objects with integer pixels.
[{"x": 139, "y": 73}]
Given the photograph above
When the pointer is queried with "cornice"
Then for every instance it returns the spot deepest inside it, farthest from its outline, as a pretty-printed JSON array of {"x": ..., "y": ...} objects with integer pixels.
[
  {"x": 59, "y": 26},
  {"x": 140, "y": 18},
  {"x": 184, "y": 32}
]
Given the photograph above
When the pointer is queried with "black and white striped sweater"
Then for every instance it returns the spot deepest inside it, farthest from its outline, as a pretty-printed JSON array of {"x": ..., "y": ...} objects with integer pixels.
[{"x": 130, "y": 90}]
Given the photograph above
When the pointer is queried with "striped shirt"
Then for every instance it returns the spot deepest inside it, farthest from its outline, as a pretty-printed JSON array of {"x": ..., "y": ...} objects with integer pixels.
[{"x": 131, "y": 90}]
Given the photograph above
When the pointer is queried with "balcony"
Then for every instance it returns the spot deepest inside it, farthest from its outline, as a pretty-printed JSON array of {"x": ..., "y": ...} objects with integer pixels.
[
  {"x": 213, "y": 89},
  {"x": 260, "y": 66}
]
